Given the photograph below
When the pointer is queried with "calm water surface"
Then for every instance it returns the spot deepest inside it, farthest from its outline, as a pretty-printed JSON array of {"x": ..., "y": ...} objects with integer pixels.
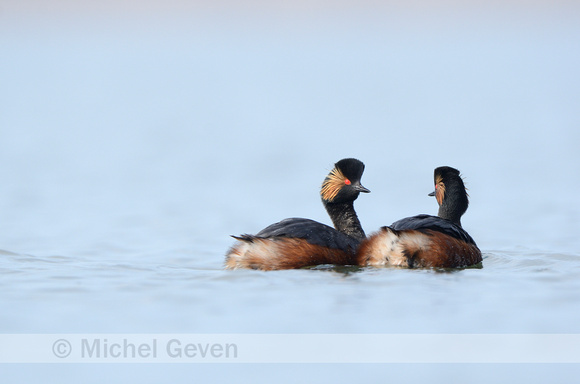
[{"x": 128, "y": 158}]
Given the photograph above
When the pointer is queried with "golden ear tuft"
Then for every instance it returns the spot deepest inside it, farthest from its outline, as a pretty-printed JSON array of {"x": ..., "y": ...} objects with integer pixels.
[
  {"x": 332, "y": 184},
  {"x": 439, "y": 190}
]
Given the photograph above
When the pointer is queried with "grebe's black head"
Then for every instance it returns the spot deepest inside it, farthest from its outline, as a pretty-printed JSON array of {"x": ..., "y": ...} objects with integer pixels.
[
  {"x": 342, "y": 184},
  {"x": 450, "y": 194}
]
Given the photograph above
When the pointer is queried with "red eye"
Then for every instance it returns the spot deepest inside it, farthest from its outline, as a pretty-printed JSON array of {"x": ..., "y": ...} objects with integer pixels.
[{"x": 347, "y": 181}]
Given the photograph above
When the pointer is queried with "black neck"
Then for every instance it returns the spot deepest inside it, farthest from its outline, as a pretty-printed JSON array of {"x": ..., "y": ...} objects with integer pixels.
[
  {"x": 448, "y": 213},
  {"x": 345, "y": 220}
]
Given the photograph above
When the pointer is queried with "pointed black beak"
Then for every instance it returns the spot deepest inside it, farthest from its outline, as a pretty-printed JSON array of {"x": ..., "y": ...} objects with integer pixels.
[
  {"x": 431, "y": 194},
  {"x": 360, "y": 188}
]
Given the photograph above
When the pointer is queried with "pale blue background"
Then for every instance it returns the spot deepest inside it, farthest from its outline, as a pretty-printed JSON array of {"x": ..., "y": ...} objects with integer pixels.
[{"x": 130, "y": 148}]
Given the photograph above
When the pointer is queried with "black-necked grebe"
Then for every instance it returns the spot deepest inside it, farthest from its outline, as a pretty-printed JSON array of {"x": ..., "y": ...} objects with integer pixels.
[
  {"x": 296, "y": 243},
  {"x": 424, "y": 240}
]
